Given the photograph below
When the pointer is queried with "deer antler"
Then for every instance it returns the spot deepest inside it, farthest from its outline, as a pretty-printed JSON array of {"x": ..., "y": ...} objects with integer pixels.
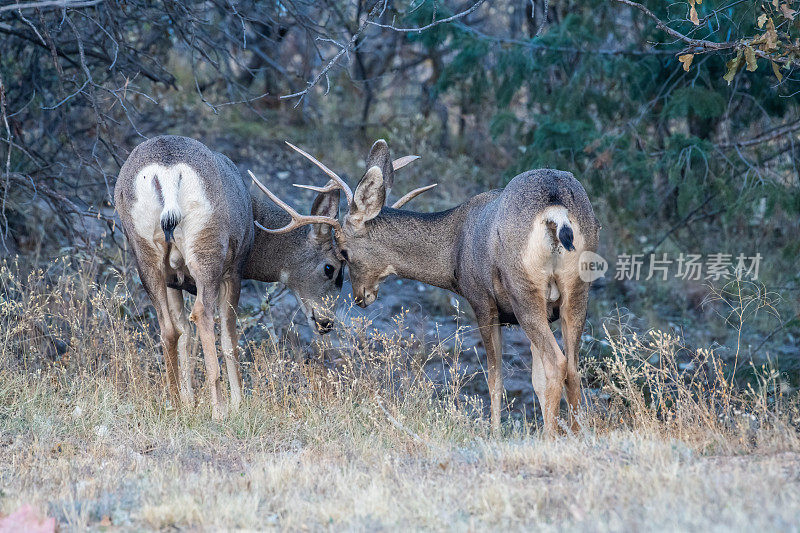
[
  {"x": 348, "y": 193},
  {"x": 413, "y": 194},
  {"x": 298, "y": 220},
  {"x": 400, "y": 162}
]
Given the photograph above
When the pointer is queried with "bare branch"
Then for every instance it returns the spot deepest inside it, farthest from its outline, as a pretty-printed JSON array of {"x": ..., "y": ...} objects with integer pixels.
[
  {"x": 457, "y": 16},
  {"x": 345, "y": 50},
  {"x": 51, "y": 3},
  {"x": 766, "y": 136},
  {"x": 702, "y": 45},
  {"x": 699, "y": 43}
]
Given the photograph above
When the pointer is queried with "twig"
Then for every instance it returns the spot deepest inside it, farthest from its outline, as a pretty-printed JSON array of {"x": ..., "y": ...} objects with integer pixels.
[
  {"x": 536, "y": 45},
  {"x": 67, "y": 205},
  {"x": 457, "y": 16},
  {"x": 699, "y": 43},
  {"x": 685, "y": 220},
  {"x": 776, "y": 330},
  {"x": 702, "y": 44},
  {"x": 344, "y": 51},
  {"x": 7, "y": 172},
  {"x": 544, "y": 16},
  {"x": 399, "y": 425},
  {"x": 51, "y": 3},
  {"x": 768, "y": 135}
]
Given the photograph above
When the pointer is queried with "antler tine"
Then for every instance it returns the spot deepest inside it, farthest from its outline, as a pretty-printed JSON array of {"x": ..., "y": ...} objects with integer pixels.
[
  {"x": 342, "y": 184},
  {"x": 399, "y": 163},
  {"x": 298, "y": 220},
  {"x": 283, "y": 205},
  {"x": 413, "y": 194},
  {"x": 329, "y": 187}
]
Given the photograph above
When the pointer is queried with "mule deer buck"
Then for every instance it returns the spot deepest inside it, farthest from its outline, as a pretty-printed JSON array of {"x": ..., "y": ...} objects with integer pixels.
[
  {"x": 513, "y": 254},
  {"x": 188, "y": 216}
]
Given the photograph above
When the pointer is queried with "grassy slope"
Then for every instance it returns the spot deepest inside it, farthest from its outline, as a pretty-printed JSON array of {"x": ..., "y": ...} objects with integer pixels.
[
  {"x": 87, "y": 435},
  {"x": 87, "y": 453}
]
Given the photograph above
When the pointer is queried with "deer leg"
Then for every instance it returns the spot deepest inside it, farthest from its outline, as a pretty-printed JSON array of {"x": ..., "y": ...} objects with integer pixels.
[
  {"x": 155, "y": 284},
  {"x": 493, "y": 343},
  {"x": 169, "y": 344},
  {"x": 229, "y": 303},
  {"x": 573, "y": 319},
  {"x": 177, "y": 312},
  {"x": 538, "y": 376},
  {"x": 546, "y": 357},
  {"x": 203, "y": 316}
]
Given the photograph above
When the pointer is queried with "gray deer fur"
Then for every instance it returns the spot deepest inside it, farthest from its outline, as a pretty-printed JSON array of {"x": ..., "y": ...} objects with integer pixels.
[
  {"x": 512, "y": 254},
  {"x": 188, "y": 216}
]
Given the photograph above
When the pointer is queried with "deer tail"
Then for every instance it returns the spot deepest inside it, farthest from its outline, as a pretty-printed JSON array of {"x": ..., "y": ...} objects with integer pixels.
[
  {"x": 171, "y": 213},
  {"x": 557, "y": 214}
]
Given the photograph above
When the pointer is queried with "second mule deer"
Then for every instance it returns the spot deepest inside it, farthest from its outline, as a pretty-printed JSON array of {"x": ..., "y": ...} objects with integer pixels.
[
  {"x": 513, "y": 254},
  {"x": 189, "y": 218}
]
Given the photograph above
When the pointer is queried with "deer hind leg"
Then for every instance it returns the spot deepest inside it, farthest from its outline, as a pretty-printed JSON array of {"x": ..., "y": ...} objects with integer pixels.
[
  {"x": 548, "y": 362},
  {"x": 155, "y": 283},
  {"x": 538, "y": 377},
  {"x": 573, "y": 319},
  {"x": 177, "y": 312},
  {"x": 203, "y": 316},
  {"x": 493, "y": 343},
  {"x": 169, "y": 345},
  {"x": 229, "y": 303}
]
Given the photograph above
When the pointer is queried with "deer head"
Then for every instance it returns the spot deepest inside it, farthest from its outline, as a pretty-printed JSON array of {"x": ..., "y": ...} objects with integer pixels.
[
  {"x": 352, "y": 237},
  {"x": 310, "y": 265}
]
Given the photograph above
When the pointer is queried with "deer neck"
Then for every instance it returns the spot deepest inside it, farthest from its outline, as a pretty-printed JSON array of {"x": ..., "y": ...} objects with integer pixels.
[
  {"x": 272, "y": 255},
  {"x": 419, "y": 246}
]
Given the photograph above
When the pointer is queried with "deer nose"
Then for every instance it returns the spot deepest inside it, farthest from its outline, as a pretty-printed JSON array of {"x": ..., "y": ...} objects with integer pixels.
[
  {"x": 358, "y": 299},
  {"x": 324, "y": 325}
]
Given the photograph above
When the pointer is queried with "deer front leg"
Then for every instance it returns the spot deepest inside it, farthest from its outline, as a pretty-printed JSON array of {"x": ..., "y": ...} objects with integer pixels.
[{"x": 493, "y": 343}]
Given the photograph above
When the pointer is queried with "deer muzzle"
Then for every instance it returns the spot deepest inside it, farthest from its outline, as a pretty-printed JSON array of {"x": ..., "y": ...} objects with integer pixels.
[
  {"x": 324, "y": 325},
  {"x": 366, "y": 298}
]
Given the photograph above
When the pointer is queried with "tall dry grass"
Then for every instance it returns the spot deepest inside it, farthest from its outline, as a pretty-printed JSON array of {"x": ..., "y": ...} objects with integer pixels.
[{"x": 669, "y": 437}]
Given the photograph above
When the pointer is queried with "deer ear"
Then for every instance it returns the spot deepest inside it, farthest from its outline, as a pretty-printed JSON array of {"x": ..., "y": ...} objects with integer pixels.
[
  {"x": 326, "y": 204},
  {"x": 368, "y": 198},
  {"x": 379, "y": 156}
]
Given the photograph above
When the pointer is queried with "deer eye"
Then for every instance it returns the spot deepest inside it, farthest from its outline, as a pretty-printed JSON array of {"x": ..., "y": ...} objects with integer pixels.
[{"x": 329, "y": 270}]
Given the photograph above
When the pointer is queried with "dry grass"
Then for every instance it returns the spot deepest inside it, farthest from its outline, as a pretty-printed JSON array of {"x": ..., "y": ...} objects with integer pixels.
[{"x": 87, "y": 434}]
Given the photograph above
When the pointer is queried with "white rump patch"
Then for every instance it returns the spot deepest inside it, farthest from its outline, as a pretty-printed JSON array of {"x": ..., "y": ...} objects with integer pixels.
[
  {"x": 557, "y": 214},
  {"x": 544, "y": 257},
  {"x": 182, "y": 191}
]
